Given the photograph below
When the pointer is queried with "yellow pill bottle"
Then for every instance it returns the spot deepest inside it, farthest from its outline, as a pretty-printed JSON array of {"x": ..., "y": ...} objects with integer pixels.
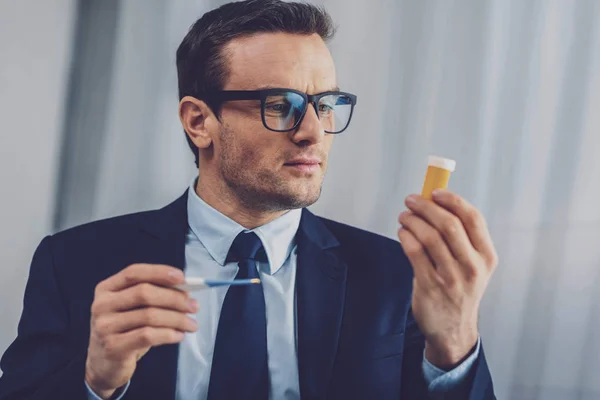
[{"x": 438, "y": 175}]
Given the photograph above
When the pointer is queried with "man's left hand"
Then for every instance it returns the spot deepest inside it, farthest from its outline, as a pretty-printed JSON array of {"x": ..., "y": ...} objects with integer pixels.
[{"x": 449, "y": 246}]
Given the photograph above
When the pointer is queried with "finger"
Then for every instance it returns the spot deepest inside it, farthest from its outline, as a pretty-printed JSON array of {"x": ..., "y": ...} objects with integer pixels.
[
  {"x": 149, "y": 316},
  {"x": 162, "y": 275},
  {"x": 447, "y": 224},
  {"x": 145, "y": 295},
  {"x": 473, "y": 221},
  {"x": 123, "y": 344},
  {"x": 422, "y": 267},
  {"x": 433, "y": 243}
]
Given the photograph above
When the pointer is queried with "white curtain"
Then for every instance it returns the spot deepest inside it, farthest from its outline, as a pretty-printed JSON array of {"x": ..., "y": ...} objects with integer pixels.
[
  {"x": 508, "y": 88},
  {"x": 35, "y": 49}
]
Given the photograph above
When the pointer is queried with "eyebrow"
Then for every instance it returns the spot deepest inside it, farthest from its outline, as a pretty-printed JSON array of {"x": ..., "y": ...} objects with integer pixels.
[{"x": 263, "y": 87}]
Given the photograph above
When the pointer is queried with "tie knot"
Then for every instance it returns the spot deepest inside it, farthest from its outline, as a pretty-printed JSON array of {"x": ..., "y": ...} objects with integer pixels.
[{"x": 246, "y": 246}]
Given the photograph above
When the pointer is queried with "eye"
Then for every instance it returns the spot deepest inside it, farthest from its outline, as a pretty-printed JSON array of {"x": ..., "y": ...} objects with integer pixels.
[
  {"x": 278, "y": 108},
  {"x": 325, "y": 109}
]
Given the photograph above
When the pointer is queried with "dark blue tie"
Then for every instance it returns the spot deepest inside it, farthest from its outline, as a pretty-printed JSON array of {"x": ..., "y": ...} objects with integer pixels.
[{"x": 239, "y": 367}]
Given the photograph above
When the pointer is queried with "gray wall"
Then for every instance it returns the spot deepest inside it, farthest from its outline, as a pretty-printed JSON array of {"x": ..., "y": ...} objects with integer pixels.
[{"x": 35, "y": 54}]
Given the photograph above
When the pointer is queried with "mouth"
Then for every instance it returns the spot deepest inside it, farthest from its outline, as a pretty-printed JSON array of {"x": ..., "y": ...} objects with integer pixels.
[
  {"x": 304, "y": 164},
  {"x": 304, "y": 167}
]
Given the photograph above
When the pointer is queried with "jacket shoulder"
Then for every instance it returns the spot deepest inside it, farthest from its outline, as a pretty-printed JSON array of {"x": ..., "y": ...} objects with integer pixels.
[
  {"x": 98, "y": 239},
  {"x": 107, "y": 228}
]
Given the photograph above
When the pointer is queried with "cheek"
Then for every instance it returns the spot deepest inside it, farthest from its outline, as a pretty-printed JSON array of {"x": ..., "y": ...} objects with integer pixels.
[
  {"x": 327, "y": 142},
  {"x": 252, "y": 152},
  {"x": 250, "y": 155},
  {"x": 241, "y": 140}
]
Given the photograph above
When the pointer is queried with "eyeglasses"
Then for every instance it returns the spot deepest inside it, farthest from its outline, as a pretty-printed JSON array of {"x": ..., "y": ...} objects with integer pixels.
[{"x": 282, "y": 110}]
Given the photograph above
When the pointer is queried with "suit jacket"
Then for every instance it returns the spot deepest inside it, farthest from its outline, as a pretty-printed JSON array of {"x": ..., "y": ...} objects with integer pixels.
[{"x": 356, "y": 337}]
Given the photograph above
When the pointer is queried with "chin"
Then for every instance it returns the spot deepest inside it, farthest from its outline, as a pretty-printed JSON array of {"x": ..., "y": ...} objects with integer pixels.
[
  {"x": 293, "y": 199},
  {"x": 270, "y": 193},
  {"x": 305, "y": 199}
]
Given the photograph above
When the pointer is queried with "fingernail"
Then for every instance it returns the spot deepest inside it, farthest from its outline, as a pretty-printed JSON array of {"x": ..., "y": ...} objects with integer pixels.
[
  {"x": 193, "y": 323},
  {"x": 412, "y": 199},
  {"x": 437, "y": 193},
  {"x": 193, "y": 305},
  {"x": 404, "y": 214}
]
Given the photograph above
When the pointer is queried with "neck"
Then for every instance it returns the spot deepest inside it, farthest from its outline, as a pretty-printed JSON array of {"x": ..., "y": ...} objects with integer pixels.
[{"x": 229, "y": 205}]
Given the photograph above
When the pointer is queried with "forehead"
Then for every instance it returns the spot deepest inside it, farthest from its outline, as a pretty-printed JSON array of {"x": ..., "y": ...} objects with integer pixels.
[{"x": 301, "y": 62}]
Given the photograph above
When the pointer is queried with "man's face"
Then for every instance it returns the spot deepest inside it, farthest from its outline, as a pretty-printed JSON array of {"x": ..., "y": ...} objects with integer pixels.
[{"x": 266, "y": 170}]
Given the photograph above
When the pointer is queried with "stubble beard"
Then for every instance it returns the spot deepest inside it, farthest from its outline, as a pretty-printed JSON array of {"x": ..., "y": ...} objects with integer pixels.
[{"x": 260, "y": 190}]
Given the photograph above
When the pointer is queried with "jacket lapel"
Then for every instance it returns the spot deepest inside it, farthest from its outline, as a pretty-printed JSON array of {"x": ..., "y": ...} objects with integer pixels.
[
  {"x": 161, "y": 240},
  {"x": 320, "y": 291}
]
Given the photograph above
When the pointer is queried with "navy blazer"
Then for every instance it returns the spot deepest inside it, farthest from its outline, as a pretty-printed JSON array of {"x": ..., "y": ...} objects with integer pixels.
[{"x": 357, "y": 338}]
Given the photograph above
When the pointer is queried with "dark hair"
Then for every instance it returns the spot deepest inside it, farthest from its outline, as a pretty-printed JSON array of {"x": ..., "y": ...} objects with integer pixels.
[{"x": 201, "y": 66}]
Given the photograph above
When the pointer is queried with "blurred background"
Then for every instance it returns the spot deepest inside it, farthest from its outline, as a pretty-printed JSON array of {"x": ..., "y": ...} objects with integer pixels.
[{"x": 508, "y": 88}]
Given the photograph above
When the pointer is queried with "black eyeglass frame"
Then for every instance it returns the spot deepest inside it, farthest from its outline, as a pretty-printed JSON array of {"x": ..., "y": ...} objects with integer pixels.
[{"x": 263, "y": 94}]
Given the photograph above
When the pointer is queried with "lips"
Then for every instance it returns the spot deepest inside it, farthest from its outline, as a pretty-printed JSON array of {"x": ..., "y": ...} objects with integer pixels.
[
  {"x": 304, "y": 164},
  {"x": 304, "y": 161}
]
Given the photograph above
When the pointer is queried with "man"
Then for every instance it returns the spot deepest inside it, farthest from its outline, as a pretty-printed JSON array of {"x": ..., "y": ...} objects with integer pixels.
[{"x": 340, "y": 313}]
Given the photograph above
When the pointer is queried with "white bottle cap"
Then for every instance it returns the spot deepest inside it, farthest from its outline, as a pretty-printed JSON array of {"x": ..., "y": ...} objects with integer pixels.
[{"x": 440, "y": 162}]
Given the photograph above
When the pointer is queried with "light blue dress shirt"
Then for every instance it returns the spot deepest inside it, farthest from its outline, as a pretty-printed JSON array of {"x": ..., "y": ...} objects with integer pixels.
[{"x": 209, "y": 238}]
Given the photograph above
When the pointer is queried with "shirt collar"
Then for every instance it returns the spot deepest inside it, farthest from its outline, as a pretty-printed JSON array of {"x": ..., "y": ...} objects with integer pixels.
[{"x": 217, "y": 232}]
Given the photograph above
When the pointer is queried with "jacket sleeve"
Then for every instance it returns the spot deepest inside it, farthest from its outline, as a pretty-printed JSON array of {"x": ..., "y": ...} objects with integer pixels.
[
  {"x": 41, "y": 363},
  {"x": 476, "y": 386}
]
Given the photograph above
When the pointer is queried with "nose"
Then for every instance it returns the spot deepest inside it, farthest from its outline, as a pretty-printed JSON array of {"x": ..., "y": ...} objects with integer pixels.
[{"x": 310, "y": 129}]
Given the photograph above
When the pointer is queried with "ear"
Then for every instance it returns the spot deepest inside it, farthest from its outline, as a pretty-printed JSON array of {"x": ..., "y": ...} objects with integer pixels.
[{"x": 198, "y": 121}]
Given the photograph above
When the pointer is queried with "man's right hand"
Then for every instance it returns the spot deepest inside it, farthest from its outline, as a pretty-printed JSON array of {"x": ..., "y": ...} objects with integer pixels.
[{"x": 132, "y": 311}]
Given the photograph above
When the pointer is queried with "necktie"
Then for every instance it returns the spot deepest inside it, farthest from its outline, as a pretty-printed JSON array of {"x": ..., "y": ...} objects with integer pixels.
[{"x": 239, "y": 367}]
